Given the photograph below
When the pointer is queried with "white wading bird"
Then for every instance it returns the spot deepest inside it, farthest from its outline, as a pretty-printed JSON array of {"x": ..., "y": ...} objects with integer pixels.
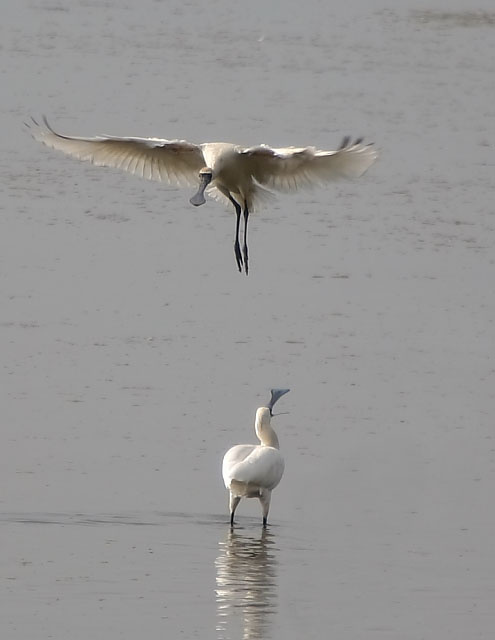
[
  {"x": 254, "y": 470},
  {"x": 225, "y": 170}
]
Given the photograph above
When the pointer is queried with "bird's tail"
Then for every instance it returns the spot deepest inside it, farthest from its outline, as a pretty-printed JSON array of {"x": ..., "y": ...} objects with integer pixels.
[{"x": 258, "y": 197}]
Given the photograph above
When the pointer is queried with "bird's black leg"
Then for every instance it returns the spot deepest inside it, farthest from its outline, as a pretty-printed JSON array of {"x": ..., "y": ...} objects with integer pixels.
[
  {"x": 264, "y": 497},
  {"x": 234, "y": 501},
  {"x": 237, "y": 248},
  {"x": 245, "y": 248},
  {"x": 238, "y": 211}
]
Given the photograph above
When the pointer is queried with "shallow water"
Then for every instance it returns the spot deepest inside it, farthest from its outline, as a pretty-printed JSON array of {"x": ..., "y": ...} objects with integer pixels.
[{"x": 134, "y": 354}]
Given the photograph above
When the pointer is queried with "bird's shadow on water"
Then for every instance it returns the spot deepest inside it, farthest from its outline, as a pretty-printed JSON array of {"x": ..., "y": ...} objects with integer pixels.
[{"x": 246, "y": 583}]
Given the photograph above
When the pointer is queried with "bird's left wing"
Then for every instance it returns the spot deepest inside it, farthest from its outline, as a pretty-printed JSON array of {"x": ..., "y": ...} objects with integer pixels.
[
  {"x": 294, "y": 168},
  {"x": 174, "y": 161}
]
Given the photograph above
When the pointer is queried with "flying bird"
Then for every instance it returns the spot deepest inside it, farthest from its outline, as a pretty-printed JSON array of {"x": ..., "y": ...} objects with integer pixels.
[
  {"x": 226, "y": 171},
  {"x": 253, "y": 471}
]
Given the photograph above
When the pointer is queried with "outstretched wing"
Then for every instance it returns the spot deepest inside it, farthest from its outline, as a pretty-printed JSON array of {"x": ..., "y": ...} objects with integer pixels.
[
  {"x": 294, "y": 168},
  {"x": 174, "y": 161}
]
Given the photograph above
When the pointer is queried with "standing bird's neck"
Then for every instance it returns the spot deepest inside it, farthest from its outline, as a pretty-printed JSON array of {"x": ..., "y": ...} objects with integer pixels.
[{"x": 264, "y": 430}]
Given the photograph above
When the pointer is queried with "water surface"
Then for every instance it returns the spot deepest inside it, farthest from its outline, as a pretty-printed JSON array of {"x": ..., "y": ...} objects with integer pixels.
[{"x": 134, "y": 354}]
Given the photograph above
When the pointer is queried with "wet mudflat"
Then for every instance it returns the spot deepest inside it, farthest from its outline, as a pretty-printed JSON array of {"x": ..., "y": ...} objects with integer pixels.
[{"x": 134, "y": 354}]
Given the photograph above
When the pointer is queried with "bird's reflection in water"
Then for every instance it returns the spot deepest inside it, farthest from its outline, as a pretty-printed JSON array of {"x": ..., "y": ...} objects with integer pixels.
[{"x": 246, "y": 585}]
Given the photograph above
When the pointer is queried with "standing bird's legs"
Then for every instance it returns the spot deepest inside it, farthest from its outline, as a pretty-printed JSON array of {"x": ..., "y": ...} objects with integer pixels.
[
  {"x": 245, "y": 248},
  {"x": 265, "y": 497},
  {"x": 234, "y": 501}
]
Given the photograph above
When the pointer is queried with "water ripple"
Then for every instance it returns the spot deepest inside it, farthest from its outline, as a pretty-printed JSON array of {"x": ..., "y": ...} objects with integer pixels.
[{"x": 247, "y": 587}]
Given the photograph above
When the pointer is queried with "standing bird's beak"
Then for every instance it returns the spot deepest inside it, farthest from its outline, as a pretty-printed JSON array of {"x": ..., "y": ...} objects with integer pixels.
[
  {"x": 276, "y": 394},
  {"x": 205, "y": 179}
]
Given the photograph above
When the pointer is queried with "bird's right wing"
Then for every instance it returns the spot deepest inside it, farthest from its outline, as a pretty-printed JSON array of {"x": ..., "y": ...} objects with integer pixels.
[
  {"x": 294, "y": 168},
  {"x": 174, "y": 161}
]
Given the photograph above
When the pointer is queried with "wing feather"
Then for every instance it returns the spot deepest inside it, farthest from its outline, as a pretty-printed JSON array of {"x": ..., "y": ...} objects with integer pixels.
[
  {"x": 253, "y": 466},
  {"x": 292, "y": 168},
  {"x": 176, "y": 161}
]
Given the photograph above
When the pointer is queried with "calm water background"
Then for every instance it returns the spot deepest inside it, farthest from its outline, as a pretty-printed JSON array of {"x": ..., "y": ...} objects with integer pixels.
[{"x": 133, "y": 353}]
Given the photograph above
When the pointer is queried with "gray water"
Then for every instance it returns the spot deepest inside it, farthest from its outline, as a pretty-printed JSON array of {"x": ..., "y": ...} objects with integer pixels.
[{"x": 134, "y": 354}]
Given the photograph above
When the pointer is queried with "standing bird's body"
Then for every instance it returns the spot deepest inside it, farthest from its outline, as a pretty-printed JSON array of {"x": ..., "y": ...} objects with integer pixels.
[
  {"x": 253, "y": 471},
  {"x": 242, "y": 175}
]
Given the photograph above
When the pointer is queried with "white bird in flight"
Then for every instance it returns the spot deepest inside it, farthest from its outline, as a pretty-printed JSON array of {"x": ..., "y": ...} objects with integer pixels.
[
  {"x": 254, "y": 470},
  {"x": 224, "y": 170}
]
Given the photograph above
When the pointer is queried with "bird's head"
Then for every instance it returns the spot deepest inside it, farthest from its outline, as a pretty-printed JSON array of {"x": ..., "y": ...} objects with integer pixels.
[
  {"x": 262, "y": 425},
  {"x": 205, "y": 177},
  {"x": 263, "y": 415}
]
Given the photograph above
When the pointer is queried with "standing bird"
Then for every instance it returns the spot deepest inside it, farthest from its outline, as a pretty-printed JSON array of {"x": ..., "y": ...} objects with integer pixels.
[
  {"x": 225, "y": 170},
  {"x": 254, "y": 470}
]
